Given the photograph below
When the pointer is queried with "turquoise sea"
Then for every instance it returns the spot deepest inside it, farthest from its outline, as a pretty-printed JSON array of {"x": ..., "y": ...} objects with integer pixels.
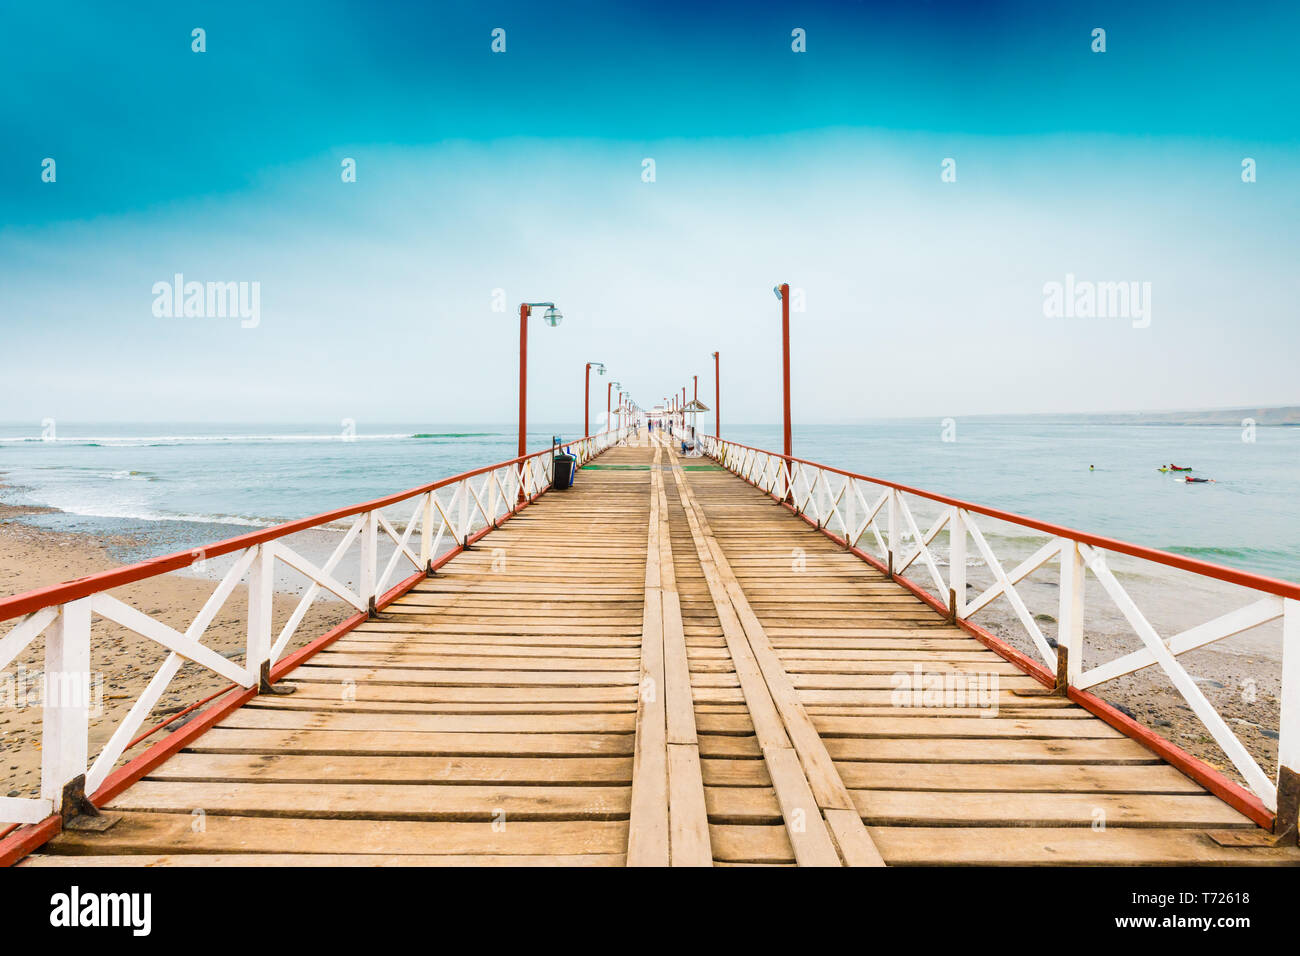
[{"x": 183, "y": 485}]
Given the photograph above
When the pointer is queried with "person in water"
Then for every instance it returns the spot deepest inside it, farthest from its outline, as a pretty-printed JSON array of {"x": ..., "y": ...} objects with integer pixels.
[{"x": 1092, "y": 467}]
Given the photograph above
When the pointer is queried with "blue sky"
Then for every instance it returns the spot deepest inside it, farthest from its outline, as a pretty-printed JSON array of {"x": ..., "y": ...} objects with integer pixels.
[{"x": 522, "y": 171}]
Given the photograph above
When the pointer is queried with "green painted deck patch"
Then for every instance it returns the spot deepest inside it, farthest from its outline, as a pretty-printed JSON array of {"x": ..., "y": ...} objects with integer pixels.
[{"x": 648, "y": 467}]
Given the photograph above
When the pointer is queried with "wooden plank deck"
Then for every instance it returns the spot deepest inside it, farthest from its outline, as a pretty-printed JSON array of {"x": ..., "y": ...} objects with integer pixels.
[{"x": 657, "y": 667}]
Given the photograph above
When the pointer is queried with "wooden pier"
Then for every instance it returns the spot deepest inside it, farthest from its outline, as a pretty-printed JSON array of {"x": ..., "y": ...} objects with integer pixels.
[{"x": 660, "y": 666}]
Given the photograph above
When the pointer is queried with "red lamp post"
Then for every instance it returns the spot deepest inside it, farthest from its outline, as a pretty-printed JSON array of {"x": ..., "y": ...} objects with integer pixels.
[
  {"x": 783, "y": 293},
  {"x": 717, "y": 397},
  {"x": 553, "y": 316},
  {"x": 586, "y": 396}
]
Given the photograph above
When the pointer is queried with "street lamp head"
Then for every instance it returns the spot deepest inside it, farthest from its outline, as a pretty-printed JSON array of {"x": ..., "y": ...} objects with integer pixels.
[
  {"x": 776, "y": 289},
  {"x": 553, "y": 316}
]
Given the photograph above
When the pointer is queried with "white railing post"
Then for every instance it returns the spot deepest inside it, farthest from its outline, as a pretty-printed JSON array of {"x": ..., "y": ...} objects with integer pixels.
[
  {"x": 893, "y": 528},
  {"x": 464, "y": 513},
  {"x": 957, "y": 565},
  {"x": 1069, "y": 634},
  {"x": 261, "y": 593},
  {"x": 426, "y": 533},
  {"x": 370, "y": 560},
  {"x": 490, "y": 494},
  {"x": 1288, "y": 744},
  {"x": 849, "y": 511},
  {"x": 65, "y": 727}
]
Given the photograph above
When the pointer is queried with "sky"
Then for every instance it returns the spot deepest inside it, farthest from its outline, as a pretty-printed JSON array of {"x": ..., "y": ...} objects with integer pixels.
[{"x": 487, "y": 178}]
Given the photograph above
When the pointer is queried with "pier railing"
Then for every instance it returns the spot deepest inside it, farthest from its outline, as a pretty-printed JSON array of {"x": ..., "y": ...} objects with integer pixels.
[
  {"x": 877, "y": 520},
  {"x": 432, "y": 522}
]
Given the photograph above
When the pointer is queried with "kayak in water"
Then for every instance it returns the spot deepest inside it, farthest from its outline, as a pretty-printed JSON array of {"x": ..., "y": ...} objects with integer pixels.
[{"x": 1174, "y": 468}]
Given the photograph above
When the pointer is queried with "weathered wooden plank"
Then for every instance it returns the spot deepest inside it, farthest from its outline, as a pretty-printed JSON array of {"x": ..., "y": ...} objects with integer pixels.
[
  {"x": 488, "y": 804},
  {"x": 235, "y": 740},
  {"x": 1044, "y": 846},
  {"x": 260, "y": 860},
  {"x": 266, "y": 718},
  {"x": 687, "y": 808},
  {"x": 215, "y": 833},
  {"x": 450, "y": 678},
  {"x": 410, "y": 659},
  {"x": 624, "y": 694},
  {"x": 648, "y": 832},
  {"x": 384, "y": 769}
]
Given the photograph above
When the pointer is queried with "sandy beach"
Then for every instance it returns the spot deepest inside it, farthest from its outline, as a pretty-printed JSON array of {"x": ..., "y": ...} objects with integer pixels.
[{"x": 32, "y": 558}]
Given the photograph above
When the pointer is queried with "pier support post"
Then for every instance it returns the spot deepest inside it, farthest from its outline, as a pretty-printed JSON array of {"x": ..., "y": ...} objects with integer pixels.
[
  {"x": 264, "y": 685},
  {"x": 76, "y": 806},
  {"x": 1062, "y": 686}
]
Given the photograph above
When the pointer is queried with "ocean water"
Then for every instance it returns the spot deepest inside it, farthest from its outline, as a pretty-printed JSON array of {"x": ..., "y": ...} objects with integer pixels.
[
  {"x": 179, "y": 486},
  {"x": 1247, "y": 518}
]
